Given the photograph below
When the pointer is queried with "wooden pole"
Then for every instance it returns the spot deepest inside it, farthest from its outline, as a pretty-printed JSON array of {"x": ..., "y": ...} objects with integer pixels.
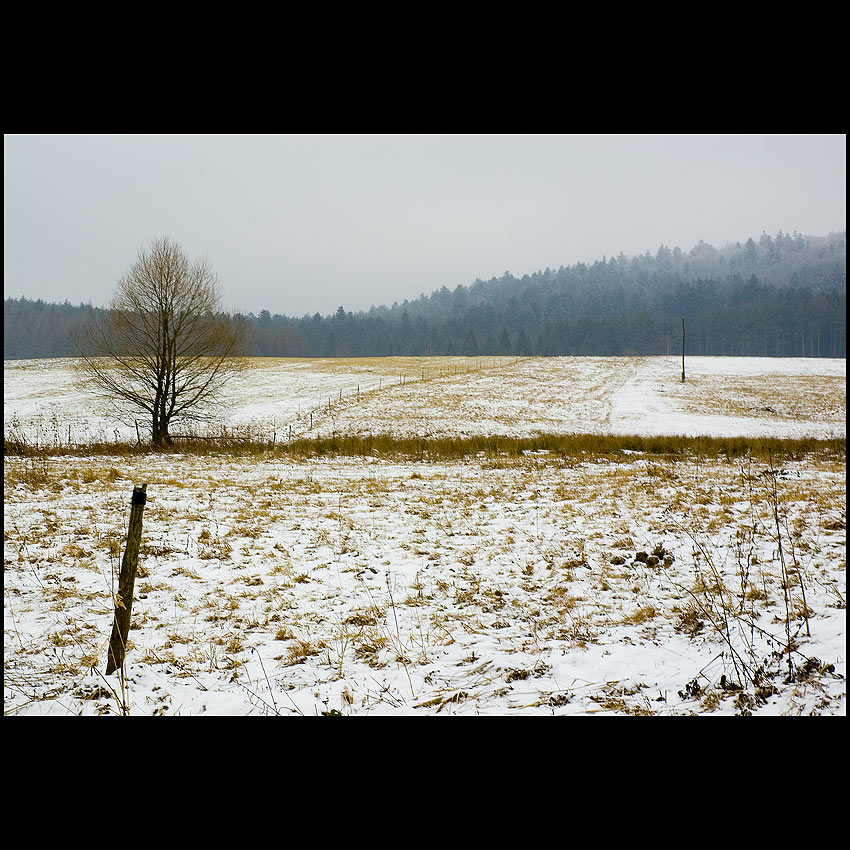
[
  {"x": 683, "y": 349},
  {"x": 126, "y": 581}
]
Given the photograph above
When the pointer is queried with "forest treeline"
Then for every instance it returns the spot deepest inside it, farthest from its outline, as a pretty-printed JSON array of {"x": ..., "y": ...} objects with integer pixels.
[{"x": 774, "y": 296}]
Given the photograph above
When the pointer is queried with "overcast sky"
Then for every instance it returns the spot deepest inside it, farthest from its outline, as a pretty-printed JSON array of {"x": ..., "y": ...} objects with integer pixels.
[{"x": 303, "y": 223}]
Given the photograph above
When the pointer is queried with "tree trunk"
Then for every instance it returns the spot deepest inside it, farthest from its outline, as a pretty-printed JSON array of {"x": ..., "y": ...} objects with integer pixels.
[{"x": 159, "y": 432}]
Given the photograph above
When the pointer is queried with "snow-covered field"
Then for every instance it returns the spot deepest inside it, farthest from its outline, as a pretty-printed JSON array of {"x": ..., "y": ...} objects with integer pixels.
[
  {"x": 499, "y": 586},
  {"x": 439, "y": 396}
]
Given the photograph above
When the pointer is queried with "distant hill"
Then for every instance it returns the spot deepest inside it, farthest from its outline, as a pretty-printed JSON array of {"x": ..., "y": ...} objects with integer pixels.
[{"x": 773, "y": 296}]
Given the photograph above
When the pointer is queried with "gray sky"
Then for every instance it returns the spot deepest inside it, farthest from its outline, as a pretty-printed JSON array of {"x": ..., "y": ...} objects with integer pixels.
[{"x": 302, "y": 223}]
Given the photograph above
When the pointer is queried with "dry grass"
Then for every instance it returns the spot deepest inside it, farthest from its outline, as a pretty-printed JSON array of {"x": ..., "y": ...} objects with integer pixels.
[
  {"x": 378, "y": 573},
  {"x": 498, "y": 449}
]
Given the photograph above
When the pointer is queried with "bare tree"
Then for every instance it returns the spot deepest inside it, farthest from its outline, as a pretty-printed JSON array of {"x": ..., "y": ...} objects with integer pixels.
[{"x": 164, "y": 348}]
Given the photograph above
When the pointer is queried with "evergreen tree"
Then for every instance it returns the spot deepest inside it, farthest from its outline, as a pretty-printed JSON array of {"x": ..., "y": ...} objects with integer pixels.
[{"x": 774, "y": 296}]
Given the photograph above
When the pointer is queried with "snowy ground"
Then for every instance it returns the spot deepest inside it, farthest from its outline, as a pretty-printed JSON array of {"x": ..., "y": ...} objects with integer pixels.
[
  {"x": 370, "y": 586},
  {"x": 438, "y": 396}
]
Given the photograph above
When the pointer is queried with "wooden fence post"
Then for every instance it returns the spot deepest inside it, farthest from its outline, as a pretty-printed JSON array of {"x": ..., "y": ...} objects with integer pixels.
[{"x": 126, "y": 581}]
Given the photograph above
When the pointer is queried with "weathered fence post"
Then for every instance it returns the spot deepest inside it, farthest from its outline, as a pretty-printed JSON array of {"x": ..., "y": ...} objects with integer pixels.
[
  {"x": 683, "y": 349},
  {"x": 126, "y": 581}
]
